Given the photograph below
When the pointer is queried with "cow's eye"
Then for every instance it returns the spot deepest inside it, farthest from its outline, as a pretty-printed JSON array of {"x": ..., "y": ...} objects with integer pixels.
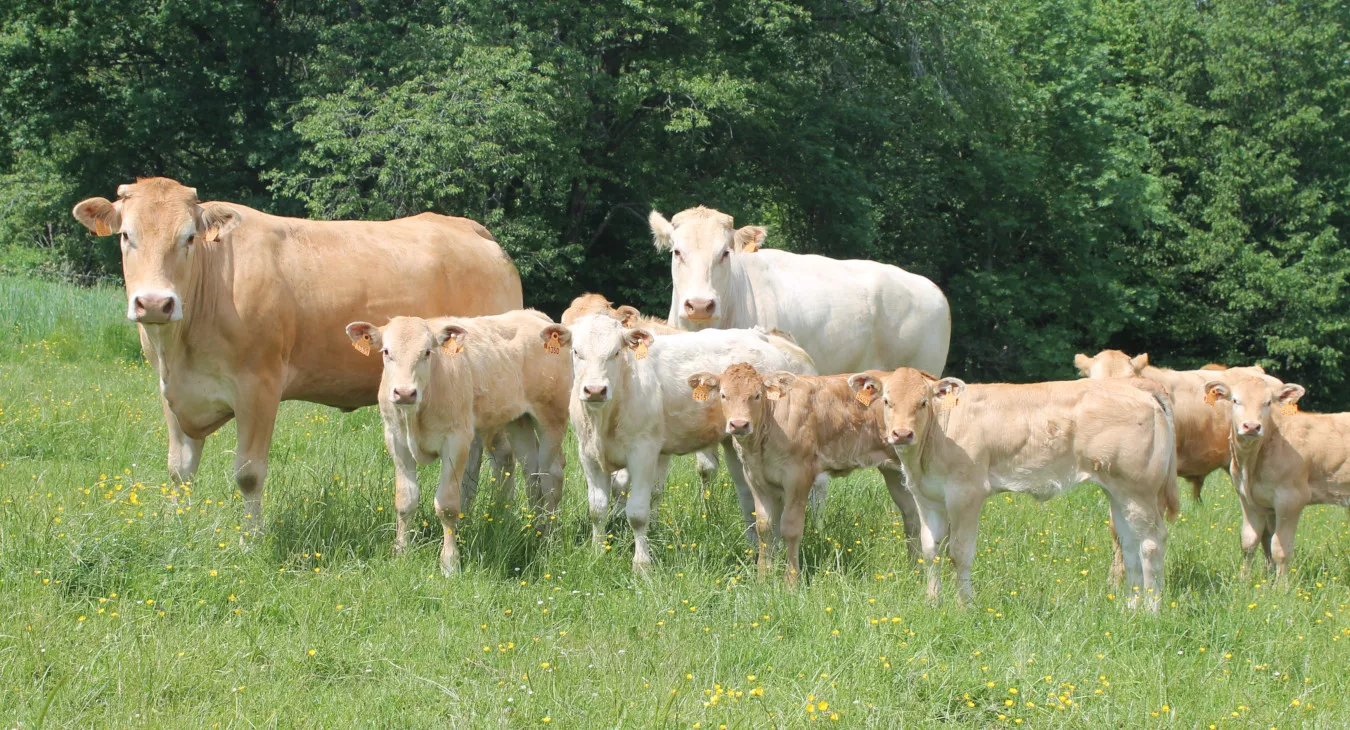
[
  {"x": 426, "y": 354},
  {"x": 1235, "y": 401},
  {"x": 191, "y": 240},
  {"x": 126, "y": 240},
  {"x": 756, "y": 396},
  {"x": 923, "y": 403},
  {"x": 726, "y": 253},
  {"x": 886, "y": 401},
  {"x": 384, "y": 351},
  {"x": 679, "y": 256}
]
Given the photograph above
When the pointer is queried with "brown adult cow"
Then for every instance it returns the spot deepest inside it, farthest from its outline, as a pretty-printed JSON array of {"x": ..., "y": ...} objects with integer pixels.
[
  {"x": 1202, "y": 431},
  {"x": 239, "y": 310}
]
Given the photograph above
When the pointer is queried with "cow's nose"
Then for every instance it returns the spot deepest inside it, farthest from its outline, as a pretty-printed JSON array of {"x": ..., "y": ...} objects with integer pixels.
[
  {"x": 1250, "y": 428},
  {"x": 595, "y": 392},
  {"x": 153, "y": 308},
  {"x": 699, "y": 308},
  {"x": 738, "y": 425},
  {"x": 900, "y": 437},
  {"x": 405, "y": 394}
]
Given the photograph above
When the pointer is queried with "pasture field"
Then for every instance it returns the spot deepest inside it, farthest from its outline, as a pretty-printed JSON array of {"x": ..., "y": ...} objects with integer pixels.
[{"x": 120, "y": 608}]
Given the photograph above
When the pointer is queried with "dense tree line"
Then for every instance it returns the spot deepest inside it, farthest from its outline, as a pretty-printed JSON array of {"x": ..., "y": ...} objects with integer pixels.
[{"x": 1169, "y": 176}]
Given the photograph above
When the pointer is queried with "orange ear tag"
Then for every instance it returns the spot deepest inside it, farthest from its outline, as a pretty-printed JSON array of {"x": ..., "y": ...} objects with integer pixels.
[
  {"x": 701, "y": 392},
  {"x": 101, "y": 228},
  {"x": 944, "y": 405},
  {"x": 1211, "y": 397},
  {"x": 773, "y": 393},
  {"x": 452, "y": 346},
  {"x": 554, "y": 344},
  {"x": 864, "y": 396},
  {"x": 1288, "y": 409},
  {"x": 640, "y": 352},
  {"x": 362, "y": 345}
]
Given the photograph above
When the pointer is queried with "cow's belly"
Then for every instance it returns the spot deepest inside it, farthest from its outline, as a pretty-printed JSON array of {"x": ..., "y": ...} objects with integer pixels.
[{"x": 1042, "y": 481}]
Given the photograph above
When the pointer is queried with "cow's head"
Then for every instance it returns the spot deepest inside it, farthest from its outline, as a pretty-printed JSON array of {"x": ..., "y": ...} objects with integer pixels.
[
  {"x": 584, "y": 305},
  {"x": 701, "y": 242},
  {"x": 1110, "y": 364},
  {"x": 601, "y": 350},
  {"x": 408, "y": 346},
  {"x": 909, "y": 400},
  {"x": 161, "y": 226},
  {"x": 1250, "y": 400},
  {"x": 744, "y": 395}
]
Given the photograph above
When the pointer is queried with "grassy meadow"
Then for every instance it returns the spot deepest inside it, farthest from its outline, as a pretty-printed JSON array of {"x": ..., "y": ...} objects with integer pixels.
[{"x": 121, "y": 608}]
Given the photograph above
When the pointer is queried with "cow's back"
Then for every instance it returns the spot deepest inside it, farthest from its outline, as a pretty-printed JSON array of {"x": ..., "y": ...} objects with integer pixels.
[
  {"x": 296, "y": 283},
  {"x": 849, "y": 315}
]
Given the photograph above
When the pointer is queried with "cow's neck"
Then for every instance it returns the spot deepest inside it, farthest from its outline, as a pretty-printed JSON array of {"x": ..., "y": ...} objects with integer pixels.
[
  {"x": 209, "y": 275},
  {"x": 1247, "y": 459},
  {"x": 740, "y": 309}
]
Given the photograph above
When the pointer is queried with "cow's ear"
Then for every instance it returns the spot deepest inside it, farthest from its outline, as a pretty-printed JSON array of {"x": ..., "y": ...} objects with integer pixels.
[
  {"x": 949, "y": 388},
  {"x": 1139, "y": 362},
  {"x": 555, "y": 337},
  {"x": 627, "y": 315},
  {"x": 749, "y": 239},
  {"x": 703, "y": 384},
  {"x": 639, "y": 339},
  {"x": 217, "y": 220},
  {"x": 865, "y": 387},
  {"x": 778, "y": 383},
  {"x": 1083, "y": 363},
  {"x": 1215, "y": 392},
  {"x": 364, "y": 337},
  {"x": 450, "y": 337},
  {"x": 101, "y": 217},
  {"x": 662, "y": 231},
  {"x": 1290, "y": 394}
]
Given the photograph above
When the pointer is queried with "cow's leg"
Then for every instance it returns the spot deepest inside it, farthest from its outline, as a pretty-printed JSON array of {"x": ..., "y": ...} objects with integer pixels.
[
  {"x": 1197, "y": 483},
  {"x": 185, "y": 452},
  {"x": 659, "y": 483},
  {"x": 597, "y": 498},
  {"x": 932, "y": 533},
  {"x": 552, "y": 466},
  {"x": 744, "y": 497},
  {"x": 644, "y": 468},
  {"x": 707, "y": 472},
  {"x": 505, "y": 450},
  {"x": 256, "y": 414},
  {"x": 472, "y": 468},
  {"x": 406, "y": 493},
  {"x": 1287, "y": 511},
  {"x": 820, "y": 493},
  {"x": 1143, "y": 534},
  {"x": 525, "y": 450},
  {"x": 1116, "y": 574},
  {"x": 793, "y": 522},
  {"x": 618, "y": 492},
  {"x": 909, "y": 509},
  {"x": 455, "y": 455},
  {"x": 963, "y": 513},
  {"x": 765, "y": 518},
  {"x": 1130, "y": 544},
  {"x": 1254, "y": 529}
]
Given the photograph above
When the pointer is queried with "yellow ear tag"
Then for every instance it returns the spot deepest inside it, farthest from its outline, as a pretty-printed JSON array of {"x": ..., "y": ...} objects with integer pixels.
[
  {"x": 1211, "y": 397},
  {"x": 701, "y": 392},
  {"x": 864, "y": 396},
  {"x": 750, "y": 247},
  {"x": 1288, "y": 409},
  {"x": 101, "y": 228},
  {"x": 640, "y": 352},
  {"x": 554, "y": 343},
  {"x": 452, "y": 346},
  {"x": 362, "y": 345},
  {"x": 945, "y": 404},
  {"x": 773, "y": 393}
]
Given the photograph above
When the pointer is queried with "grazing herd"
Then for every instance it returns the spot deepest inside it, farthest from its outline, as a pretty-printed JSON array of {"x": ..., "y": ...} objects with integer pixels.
[{"x": 800, "y": 367}]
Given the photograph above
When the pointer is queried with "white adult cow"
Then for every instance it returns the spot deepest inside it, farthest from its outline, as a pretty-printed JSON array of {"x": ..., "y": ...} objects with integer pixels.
[
  {"x": 630, "y": 408},
  {"x": 850, "y": 316},
  {"x": 239, "y": 310}
]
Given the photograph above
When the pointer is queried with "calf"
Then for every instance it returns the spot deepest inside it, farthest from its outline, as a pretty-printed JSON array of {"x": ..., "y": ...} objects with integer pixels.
[
  {"x": 1281, "y": 461},
  {"x": 1202, "y": 432},
  {"x": 959, "y": 444},
  {"x": 447, "y": 378},
  {"x": 630, "y": 408},
  {"x": 787, "y": 430}
]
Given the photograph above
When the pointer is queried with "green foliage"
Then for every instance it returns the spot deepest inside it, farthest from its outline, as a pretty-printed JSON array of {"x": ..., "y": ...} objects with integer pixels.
[{"x": 1154, "y": 175}]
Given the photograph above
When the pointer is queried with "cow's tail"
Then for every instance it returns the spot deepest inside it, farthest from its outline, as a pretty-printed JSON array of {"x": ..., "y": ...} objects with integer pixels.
[{"x": 1168, "y": 499}]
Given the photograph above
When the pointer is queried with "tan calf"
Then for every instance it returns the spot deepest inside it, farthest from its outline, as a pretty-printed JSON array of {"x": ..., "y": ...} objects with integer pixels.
[
  {"x": 1281, "y": 461},
  {"x": 447, "y": 378},
  {"x": 959, "y": 444},
  {"x": 1202, "y": 431},
  {"x": 788, "y": 429}
]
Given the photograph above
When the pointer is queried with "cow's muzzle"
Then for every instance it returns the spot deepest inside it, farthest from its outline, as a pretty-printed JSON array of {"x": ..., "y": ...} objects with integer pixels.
[
  {"x": 900, "y": 437},
  {"x": 154, "y": 307},
  {"x": 594, "y": 393},
  {"x": 739, "y": 427},
  {"x": 699, "y": 310},
  {"x": 404, "y": 395},
  {"x": 1250, "y": 429}
]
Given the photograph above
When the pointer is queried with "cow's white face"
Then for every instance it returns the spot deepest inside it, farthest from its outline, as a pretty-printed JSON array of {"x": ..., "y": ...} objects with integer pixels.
[
  {"x": 408, "y": 346},
  {"x": 601, "y": 349},
  {"x": 160, "y": 224},
  {"x": 1110, "y": 364},
  {"x": 702, "y": 243},
  {"x": 1251, "y": 400}
]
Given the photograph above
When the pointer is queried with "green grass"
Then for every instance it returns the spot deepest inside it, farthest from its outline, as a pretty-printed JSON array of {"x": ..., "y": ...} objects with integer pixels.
[{"x": 120, "y": 609}]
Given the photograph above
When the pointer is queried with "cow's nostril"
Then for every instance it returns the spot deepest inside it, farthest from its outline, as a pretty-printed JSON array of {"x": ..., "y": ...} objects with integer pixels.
[{"x": 168, "y": 306}]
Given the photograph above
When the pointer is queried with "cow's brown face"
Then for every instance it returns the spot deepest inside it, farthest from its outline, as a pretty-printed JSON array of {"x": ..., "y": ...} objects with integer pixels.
[
  {"x": 161, "y": 225},
  {"x": 408, "y": 346},
  {"x": 1252, "y": 401},
  {"x": 744, "y": 395},
  {"x": 909, "y": 400},
  {"x": 701, "y": 242},
  {"x": 1110, "y": 364}
]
